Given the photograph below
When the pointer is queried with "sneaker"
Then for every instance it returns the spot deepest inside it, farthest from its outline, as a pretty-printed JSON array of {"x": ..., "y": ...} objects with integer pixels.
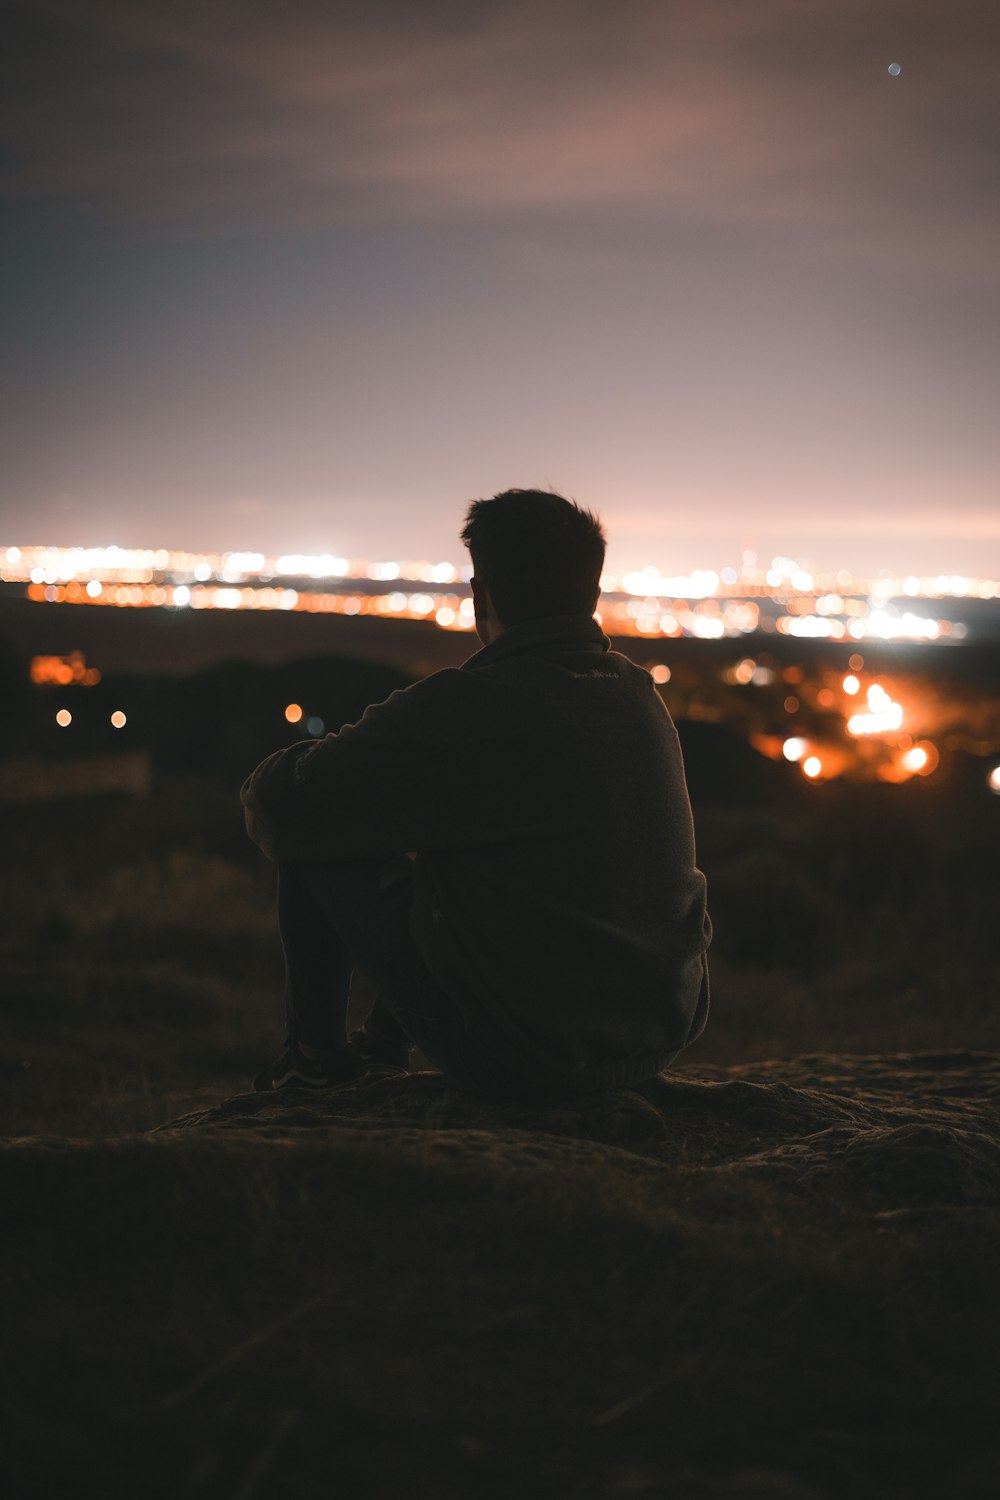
[
  {"x": 292, "y": 1070},
  {"x": 379, "y": 1059}
]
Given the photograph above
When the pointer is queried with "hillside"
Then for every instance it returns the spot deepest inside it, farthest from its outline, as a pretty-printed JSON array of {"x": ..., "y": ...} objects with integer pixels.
[{"x": 773, "y": 1281}]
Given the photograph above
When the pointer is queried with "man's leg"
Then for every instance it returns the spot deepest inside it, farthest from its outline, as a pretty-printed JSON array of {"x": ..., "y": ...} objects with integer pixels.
[
  {"x": 350, "y": 913},
  {"x": 318, "y": 962}
]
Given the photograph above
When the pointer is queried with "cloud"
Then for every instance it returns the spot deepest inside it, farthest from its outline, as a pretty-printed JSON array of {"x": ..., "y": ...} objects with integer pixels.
[{"x": 216, "y": 115}]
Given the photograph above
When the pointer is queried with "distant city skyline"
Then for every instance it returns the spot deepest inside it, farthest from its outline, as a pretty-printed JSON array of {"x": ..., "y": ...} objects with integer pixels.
[
  {"x": 725, "y": 273},
  {"x": 779, "y": 597},
  {"x": 926, "y": 555}
]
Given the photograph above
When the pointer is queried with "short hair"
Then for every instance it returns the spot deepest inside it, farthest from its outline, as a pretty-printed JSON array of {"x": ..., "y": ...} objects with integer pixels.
[{"x": 538, "y": 554}]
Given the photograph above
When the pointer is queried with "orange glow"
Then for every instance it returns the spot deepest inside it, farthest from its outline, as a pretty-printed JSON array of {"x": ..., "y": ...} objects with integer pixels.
[
  {"x": 812, "y": 766},
  {"x": 64, "y": 718},
  {"x": 851, "y": 685},
  {"x": 743, "y": 671},
  {"x": 118, "y": 719},
  {"x": 293, "y": 713},
  {"x": 931, "y": 759},
  {"x": 63, "y": 671},
  {"x": 794, "y": 748},
  {"x": 914, "y": 760},
  {"x": 883, "y": 714},
  {"x": 660, "y": 673}
]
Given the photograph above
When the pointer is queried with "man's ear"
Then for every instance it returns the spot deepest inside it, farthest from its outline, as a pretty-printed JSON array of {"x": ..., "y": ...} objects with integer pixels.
[{"x": 481, "y": 599}]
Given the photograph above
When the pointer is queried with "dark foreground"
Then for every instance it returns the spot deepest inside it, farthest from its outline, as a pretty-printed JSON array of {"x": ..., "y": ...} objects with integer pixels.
[
  {"x": 775, "y": 1280},
  {"x": 772, "y": 1280}
]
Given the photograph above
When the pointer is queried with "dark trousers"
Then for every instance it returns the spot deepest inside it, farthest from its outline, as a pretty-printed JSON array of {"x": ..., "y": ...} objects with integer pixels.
[{"x": 336, "y": 917}]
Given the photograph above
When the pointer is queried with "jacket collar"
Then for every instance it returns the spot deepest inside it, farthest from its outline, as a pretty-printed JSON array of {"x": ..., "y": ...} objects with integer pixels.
[{"x": 556, "y": 634}]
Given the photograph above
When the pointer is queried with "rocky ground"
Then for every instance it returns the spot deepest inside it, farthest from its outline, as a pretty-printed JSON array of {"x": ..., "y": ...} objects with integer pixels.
[{"x": 775, "y": 1280}]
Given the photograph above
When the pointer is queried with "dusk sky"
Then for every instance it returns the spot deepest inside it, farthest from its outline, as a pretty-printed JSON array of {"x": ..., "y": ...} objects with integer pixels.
[{"x": 311, "y": 276}]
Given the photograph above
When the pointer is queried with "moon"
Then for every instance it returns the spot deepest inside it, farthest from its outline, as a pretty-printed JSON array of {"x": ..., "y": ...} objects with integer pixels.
[{"x": 895, "y": 70}]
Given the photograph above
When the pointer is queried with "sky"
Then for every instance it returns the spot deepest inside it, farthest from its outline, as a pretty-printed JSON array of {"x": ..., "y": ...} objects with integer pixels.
[{"x": 312, "y": 276}]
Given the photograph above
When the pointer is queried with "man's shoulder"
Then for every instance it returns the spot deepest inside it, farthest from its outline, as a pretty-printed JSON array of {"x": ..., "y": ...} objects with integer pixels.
[
  {"x": 454, "y": 686},
  {"x": 430, "y": 696}
]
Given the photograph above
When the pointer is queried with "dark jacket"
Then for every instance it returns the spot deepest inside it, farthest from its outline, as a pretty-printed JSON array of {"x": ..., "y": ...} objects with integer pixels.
[{"x": 556, "y": 897}]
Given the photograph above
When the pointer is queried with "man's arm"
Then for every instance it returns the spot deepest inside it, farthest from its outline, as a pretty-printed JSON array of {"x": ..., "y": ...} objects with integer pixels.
[{"x": 364, "y": 791}]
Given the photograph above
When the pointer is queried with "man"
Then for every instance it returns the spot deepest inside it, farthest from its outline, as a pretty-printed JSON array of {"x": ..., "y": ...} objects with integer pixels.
[{"x": 548, "y": 935}]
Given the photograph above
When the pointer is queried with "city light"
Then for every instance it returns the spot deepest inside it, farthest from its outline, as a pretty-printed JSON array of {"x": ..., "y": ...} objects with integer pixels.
[
  {"x": 823, "y": 710},
  {"x": 64, "y": 671},
  {"x": 883, "y": 714},
  {"x": 784, "y": 597}
]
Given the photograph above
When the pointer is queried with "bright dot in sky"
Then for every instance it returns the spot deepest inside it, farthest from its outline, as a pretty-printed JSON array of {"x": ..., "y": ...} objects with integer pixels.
[
  {"x": 895, "y": 70},
  {"x": 118, "y": 719},
  {"x": 812, "y": 766},
  {"x": 293, "y": 713},
  {"x": 64, "y": 718}
]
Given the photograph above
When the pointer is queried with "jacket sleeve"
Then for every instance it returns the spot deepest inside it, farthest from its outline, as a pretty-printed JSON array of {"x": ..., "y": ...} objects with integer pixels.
[{"x": 363, "y": 791}]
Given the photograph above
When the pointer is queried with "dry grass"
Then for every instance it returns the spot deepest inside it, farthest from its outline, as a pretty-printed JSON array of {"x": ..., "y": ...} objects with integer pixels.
[
  {"x": 140, "y": 968},
  {"x": 371, "y": 1317}
]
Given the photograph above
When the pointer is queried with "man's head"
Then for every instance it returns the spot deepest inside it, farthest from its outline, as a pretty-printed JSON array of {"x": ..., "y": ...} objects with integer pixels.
[{"x": 534, "y": 555}]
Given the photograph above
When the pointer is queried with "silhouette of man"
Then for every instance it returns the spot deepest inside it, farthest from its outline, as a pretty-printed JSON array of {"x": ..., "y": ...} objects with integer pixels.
[{"x": 547, "y": 933}]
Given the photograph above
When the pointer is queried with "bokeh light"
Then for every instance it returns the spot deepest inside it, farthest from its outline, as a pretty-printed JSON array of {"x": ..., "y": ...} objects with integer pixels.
[
  {"x": 293, "y": 713},
  {"x": 812, "y": 766},
  {"x": 118, "y": 719},
  {"x": 64, "y": 718}
]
